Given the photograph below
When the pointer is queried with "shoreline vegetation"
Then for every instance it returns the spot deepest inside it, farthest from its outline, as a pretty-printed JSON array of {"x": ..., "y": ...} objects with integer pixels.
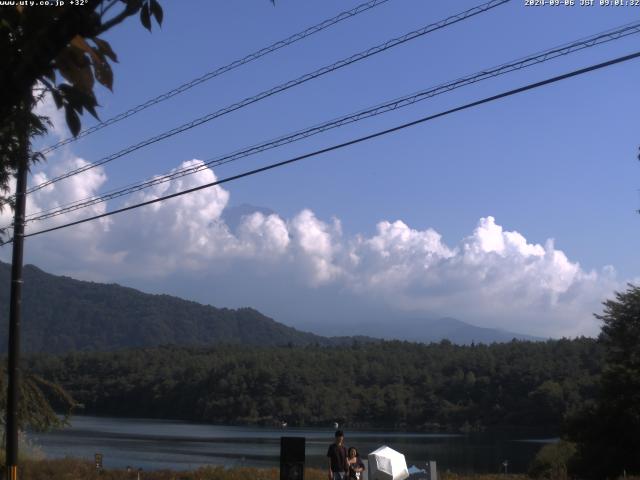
[
  {"x": 584, "y": 386},
  {"x": 392, "y": 385},
  {"x": 533, "y": 431},
  {"x": 71, "y": 468},
  {"x": 77, "y": 469}
]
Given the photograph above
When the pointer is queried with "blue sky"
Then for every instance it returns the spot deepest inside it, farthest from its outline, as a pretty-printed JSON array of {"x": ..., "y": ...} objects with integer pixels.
[{"x": 555, "y": 163}]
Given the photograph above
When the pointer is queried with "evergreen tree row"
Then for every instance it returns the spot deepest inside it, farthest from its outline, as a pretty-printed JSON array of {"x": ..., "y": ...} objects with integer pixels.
[{"x": 388, "y": 384}]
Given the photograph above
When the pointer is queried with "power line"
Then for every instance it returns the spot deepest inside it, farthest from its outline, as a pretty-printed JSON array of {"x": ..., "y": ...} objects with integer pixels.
[
  {"x": 280, "y": 88},
  {"x": 508, "y": 93},
  {"x": 221, "y": 70},
  {"x": 523, "y": 62}
]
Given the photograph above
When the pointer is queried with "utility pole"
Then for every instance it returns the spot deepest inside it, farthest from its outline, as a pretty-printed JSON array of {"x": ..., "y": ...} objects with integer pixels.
[{"x": 13, "y": 390}]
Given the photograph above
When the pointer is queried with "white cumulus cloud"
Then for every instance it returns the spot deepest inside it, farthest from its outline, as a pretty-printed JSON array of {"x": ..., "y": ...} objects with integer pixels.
[{"x": 493, "y": 277}]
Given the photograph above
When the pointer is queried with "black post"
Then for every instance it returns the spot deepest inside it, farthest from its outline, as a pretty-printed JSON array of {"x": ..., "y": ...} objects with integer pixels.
[
  {"x": 14, "y": 314},
  {"x": 292, "y": 457}
]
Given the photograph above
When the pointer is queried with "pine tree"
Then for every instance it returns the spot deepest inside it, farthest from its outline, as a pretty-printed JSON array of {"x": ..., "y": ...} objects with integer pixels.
[{"x": 608, "y": 431}]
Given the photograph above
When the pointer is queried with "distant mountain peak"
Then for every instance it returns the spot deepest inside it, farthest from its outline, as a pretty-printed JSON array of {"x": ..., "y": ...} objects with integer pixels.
[
  {"x": 233, "y": 216},
  {"x": 63, "y": 314},
  {"x": 461, "y": 332}
]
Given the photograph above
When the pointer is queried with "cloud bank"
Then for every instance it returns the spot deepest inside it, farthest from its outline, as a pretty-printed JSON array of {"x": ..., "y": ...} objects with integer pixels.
[
  {"x": 492, "y": 277},
  {"x": 303, "y": 270}
]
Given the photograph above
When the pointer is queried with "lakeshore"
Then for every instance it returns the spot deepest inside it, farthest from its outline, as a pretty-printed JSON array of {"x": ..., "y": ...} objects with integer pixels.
[
  {"x": 187, "y": 446},
  {"x": 72, "y": 469}
]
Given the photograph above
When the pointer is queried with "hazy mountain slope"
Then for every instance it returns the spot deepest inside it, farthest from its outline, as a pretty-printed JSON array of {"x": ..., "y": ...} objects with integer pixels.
[
  {"x": 62, "y": 314},
  {"x": 463, "y": 333}
]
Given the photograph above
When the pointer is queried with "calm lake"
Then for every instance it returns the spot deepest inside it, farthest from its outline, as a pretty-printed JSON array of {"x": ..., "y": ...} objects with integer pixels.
[{"x": 156, "y": 444}]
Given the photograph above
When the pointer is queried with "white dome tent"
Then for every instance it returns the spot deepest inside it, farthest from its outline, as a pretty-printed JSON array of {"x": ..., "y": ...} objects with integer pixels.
[{"x": 387, "y": 464}]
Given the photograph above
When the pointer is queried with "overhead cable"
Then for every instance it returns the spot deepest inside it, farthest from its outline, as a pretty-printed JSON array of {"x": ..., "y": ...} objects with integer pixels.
[
  {"x": 280, "y": 88},
  {"x": 363, "y": 7},
  {"x": 381, "y": 133},
  {"x": 523, "y": 62}
]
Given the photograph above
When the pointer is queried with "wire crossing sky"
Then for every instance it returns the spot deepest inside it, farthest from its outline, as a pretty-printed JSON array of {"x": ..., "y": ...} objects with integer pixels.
[
  {"x": 519, "y": 215},
  {"x": 363, "y": 7},
  {"x": 389, "y": 44},
  {"x": 395, "y": 104},
  {"x": 509, "y": 93}
]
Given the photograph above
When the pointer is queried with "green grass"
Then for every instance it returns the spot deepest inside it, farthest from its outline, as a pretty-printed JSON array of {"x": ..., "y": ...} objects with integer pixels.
[{"x": 74, "y": 469}]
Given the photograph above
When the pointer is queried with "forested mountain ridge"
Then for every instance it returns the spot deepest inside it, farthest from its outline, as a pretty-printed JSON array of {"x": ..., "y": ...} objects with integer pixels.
[
  {"x": 388, "y": 384},
  {"x": 62, "y": 314}
]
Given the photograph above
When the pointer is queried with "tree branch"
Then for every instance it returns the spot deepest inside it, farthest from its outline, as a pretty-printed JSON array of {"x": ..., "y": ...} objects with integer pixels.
[
  {"x": 130, "y": 9},
  {"x": 108, "y": 7}
]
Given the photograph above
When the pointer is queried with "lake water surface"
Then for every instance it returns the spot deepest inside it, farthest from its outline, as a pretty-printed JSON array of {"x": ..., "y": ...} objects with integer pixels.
[{"x": 156, "y": 444}]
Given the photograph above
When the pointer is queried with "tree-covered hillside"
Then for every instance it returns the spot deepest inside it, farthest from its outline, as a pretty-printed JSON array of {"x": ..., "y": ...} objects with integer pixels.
[
  {"x": 61, "y": 314},
  {"x": 391, "y": 384}
]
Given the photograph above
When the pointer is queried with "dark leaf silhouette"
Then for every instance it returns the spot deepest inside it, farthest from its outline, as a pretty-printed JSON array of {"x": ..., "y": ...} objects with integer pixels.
[
  {"x": 104, "y": 74},
  {"x": 156, "y": 10},
  {"x": 145, "y": 17},
  {"x": 105, "y": 48},
  {"x": 73, "y": 121}
]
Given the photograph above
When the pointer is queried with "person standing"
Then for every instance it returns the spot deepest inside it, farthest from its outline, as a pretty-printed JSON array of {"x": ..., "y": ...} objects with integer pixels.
[
  {"x": 337, "y": 455},
  {"x": 354, "y": 463}
]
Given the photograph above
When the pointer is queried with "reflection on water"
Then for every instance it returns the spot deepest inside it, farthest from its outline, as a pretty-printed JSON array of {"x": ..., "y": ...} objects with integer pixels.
[{"x": 156, "y": 444}]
